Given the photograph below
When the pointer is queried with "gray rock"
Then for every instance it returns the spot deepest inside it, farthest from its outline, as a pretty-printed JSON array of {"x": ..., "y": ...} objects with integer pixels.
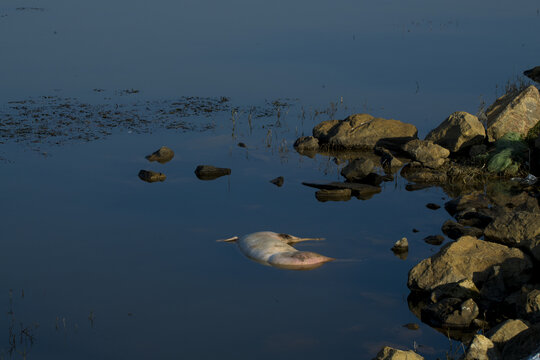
[
  {"x": 163, "y": 155},
  {"x": 208, "y": 172},
  {"x": 151, "y": 176},
  {"x": 513, "y": 112},
  {"x": 333, "y": 195},
  {"x": 455, "y": 230},
  {"x": 472, "y": 259},
  {"x": 481, "y": 348},
  {"x": 505, "y": 331},
  {"x": 361, "y": 131},
  {"x": 357, "y": 169},
  {"x": 388, "y": 353},
  {"x": 459, "y": 131},
  {"x": 451, "y": 313},
  {"x": 426, "y": 152}
]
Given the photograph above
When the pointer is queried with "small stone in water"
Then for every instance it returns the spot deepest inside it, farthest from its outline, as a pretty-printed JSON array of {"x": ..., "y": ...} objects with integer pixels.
[
  {"x": 278, "y": 181},
  {"x": 412, "y": 326},
  {"x": 432, "y": 206},
  {"x": 401, "y": 246}
]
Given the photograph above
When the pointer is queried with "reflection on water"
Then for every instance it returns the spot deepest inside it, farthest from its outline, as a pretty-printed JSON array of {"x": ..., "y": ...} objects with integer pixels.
[{"x": 116, "y": 268}]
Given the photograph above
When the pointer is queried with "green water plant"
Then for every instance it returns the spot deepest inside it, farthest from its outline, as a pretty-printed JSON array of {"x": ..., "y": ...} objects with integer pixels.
[{"x": 511, "y": 152}]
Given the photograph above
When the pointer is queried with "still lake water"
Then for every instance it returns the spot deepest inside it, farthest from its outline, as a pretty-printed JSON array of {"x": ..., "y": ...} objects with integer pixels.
[{"x": 96, "y": 264}]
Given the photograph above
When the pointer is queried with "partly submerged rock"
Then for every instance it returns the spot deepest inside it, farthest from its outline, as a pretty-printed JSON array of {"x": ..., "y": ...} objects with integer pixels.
[
  {"x": 306, "y": 143},
  {"x": 401, "y": 246},
  {"x": 450, "y": 313},
  {"x": 481, "y": 348},
  {"x": 361, "y": 131},
  {"x": 416, "y": 173},
  {"x": 357, "y": 169},
  {"x": 151, "y": 176},
  {"x": 473, "y": 259},
  {"x": 455, "y": 230},
  {"x": 426, "y": 152},
  {"x": 361, "y": 191},
  {"x": 459, "y": 131},
  {"x": 333, "y": 195},
  {"x": 388, "y": 161},
  {"x": 278, "y": 181},
  {"x": 388, "y": 353},
  {"x": 513, "y": 112},
  {"x": 469, "y": 201},
  {"x": 162, "y": 155},
  {"x": 533, "y": 74},
  {"x": 208, "y": 172},
  {"x": 434, "y": 239}
]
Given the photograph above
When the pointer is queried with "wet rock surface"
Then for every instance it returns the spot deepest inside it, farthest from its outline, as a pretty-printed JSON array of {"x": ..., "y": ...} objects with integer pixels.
[
  {"x": 513, "y": 112},
  {"x": 333, "y": 195},
  {"x": 209, "y": 172},
  {"x": 361, "y": 131},
  {"x": 151, "y": 176},
  {"x": 388, "y": 353},
  {"x": 459, "y": 131},
  {"x": 162, "y": 155},
  {"x": 357, "y": 169}
]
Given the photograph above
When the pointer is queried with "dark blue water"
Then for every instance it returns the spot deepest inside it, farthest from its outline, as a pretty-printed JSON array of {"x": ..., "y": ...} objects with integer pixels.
[{"x": 102, "y": 265}]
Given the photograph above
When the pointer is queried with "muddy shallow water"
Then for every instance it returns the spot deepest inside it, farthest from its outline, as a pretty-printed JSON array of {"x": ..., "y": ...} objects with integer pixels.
[{"x": 96, "y": 263}]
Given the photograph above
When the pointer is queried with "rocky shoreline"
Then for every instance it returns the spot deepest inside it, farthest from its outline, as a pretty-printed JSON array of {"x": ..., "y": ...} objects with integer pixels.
[{"x": 482, "y": 288}]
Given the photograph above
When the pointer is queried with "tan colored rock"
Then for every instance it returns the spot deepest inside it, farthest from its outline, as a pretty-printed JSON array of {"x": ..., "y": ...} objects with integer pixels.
[
  {"x": 361, "y": 131},
  {"x": 481, "y": 348},
  {"x": 162, "y": 155},
  {"x": 426, "y": 152},
  {"x": 357, "y": 169},
  {"x": 513, "y": 112},
  {"x": 506, "y": 331},
  {"x": 458, "y": 131},
  {"x": 473, "y": 259},
  {"x": 306, "y": 143},
  {"x": 514, "y": 228},
  {"x": 523, "y": 345},
  {"x": 388, "y": 353}
]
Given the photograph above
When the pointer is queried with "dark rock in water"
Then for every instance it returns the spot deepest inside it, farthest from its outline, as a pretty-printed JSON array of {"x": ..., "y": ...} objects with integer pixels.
[
  {"x": 450, "y": 313},
  {"x": 455, "y": 230},
  {"x": 426, "y": 152},
  {"x": 479, "y": 219},
  {"x": 417, "y": 187},
  {"x": 361, "y": 191},
  {"x": 515, "y": 112},
  {"x": 433, "y": 206},
  {"x": 374, "y": 179},
  {"x": 473, "y": 259},
  {"x": 533, "y": 74},
  {"x": 278, "y": 181},
  {"x": 151, "y": 176},
  {"x": 163, "y": 155},
  {"x": 523, "y": 345},
  {"x": 415, "y": 230},
  {"x": 419, "y": 174},
  {"x": 434, "y": 239},
  {"x": 242, "y": 145},
  {"x": 412, "y": 326},
  {"x": 470, "y": 201},
  {"x": 361, "y": 131},
  {"x": 357, "y": 169},
  {"x": 207, "y": 172},
  {"x": 459, "y": 131},
  {"x": 333, "y": 195}
]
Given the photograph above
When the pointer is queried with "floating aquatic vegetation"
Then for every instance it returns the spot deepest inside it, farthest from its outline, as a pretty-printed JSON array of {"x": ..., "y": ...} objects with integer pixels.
[{"x": 510, "y": 153}]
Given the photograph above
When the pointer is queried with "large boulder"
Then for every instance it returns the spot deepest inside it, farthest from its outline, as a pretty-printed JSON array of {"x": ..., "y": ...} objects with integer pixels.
[
  {"x": 513, "y": 112},
  {"x": 523, "y": 345},
  {"x": 388, "y": 353},
  {"x": 473, "y": 259},
  {"x": 505, "y": 331},
  {"x": 516, "y": 229},
  {"x": 426, "y": 152},
  {"x": 459, "y": 131},
  {"x": 481, "y": 348},
  {"x": 361, "y": 131}
]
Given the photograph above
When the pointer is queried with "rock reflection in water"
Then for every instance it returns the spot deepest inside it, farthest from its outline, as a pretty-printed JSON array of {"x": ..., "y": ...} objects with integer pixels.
[{"x": 208, "y": 172}]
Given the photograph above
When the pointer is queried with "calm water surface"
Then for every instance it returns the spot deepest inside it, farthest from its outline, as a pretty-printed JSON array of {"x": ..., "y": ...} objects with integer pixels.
[{"x": 96, "y": 264}]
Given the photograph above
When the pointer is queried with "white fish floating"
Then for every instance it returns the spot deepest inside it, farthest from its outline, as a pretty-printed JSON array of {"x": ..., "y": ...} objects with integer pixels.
[{"x": 273, "y": 249}]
